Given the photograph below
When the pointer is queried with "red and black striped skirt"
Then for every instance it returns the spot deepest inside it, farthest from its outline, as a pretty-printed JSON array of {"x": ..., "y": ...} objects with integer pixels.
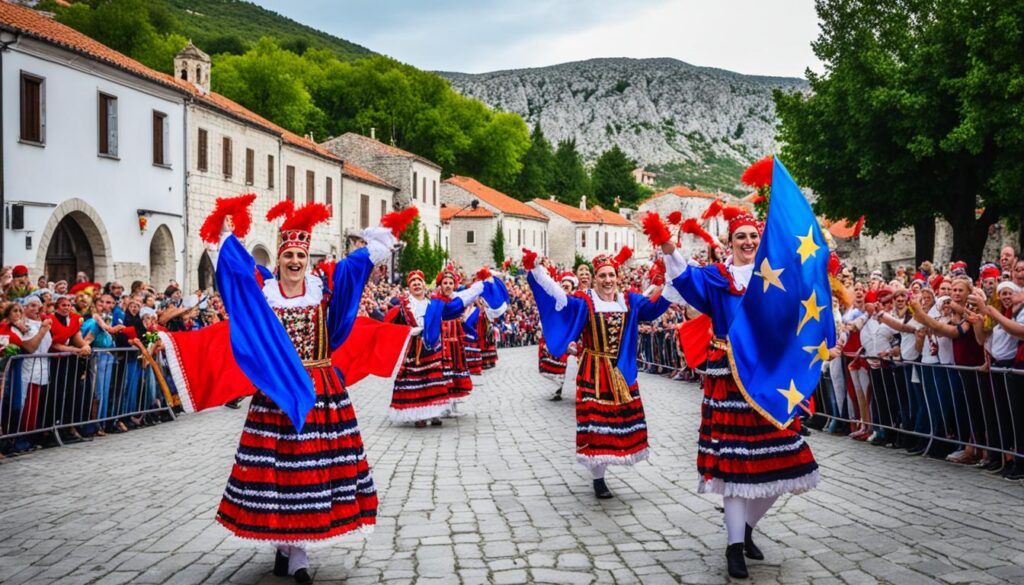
[
  {"x": 308, "y": 488},
  {"x": 474, "y": 361},
  {"x": 742, "y": 454},
  {"x": 607, "y": 433},
  {"x": 421, "y": 389}
]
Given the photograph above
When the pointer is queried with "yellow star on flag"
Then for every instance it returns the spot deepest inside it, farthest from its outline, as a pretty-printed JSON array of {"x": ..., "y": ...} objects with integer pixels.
[
  {"x": 820, "y": 352},
  {"x": 792, "y": 395},
  {"x": 807, "y": 245},
  {"x": 813, "y": 311},
  {"x": 770, "y": 276}
]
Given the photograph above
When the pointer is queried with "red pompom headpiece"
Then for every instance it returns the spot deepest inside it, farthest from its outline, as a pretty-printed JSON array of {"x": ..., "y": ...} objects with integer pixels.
[
  {"x": 237, "y": 208},
  {"x": 739, "y": 217},
  {"x": 759, "y": 174},
  {"x": 296, "y": 230},
  {"x": 399, "y": 221},
  {"x": 713, "y": 210},
  {"x": 413, "y": 275},
  {"x": 655, "y": 229},
  {"x": 625, "y": 253}
]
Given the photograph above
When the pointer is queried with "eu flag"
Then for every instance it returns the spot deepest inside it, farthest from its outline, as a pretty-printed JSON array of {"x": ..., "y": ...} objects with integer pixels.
[{"x": 783, "y": 329}]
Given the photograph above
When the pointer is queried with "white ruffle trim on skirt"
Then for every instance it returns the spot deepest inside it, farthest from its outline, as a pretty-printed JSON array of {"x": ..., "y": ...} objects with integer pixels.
[
  {"x": 418, "y": 413},
  {"x": 357, "y": 535},
  {"x": 592, "y": 461},
  {"x": 797, "y": 485}
]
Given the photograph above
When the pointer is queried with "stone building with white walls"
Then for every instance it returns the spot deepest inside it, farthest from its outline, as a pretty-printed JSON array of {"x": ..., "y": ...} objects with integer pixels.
[{"x": 586, "y": 232}]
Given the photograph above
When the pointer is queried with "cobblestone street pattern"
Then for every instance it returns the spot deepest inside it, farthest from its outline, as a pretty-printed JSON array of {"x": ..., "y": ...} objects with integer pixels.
[{"x": 496, "y": 496}]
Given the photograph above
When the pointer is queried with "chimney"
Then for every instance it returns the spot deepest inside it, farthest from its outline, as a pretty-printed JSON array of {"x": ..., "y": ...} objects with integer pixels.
[
  {"x": 583, "y": 202},
  {"x": 373, "y": 133}
]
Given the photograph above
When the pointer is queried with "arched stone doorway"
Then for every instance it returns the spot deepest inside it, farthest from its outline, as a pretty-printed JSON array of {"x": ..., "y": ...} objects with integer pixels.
[
  {"x": 162, "y": 263},
  {"x": 69, "y": 252},
  {"x": 206, "y": 280},
  {"x": 261, "y": 256},
  {"x": 75, "y": 240}
]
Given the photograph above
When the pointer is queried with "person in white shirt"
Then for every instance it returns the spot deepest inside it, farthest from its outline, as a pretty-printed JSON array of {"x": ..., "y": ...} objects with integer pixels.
[
  {"x": 910, "y": 396},
  {"x": 877, "y": 340}
]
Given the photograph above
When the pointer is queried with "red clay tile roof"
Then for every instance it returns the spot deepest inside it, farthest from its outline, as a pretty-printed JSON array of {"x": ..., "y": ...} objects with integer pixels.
[
  {"x": 842, "y": 229},
  {"x": 680, "y": 191},
  {"x": 37, "y": 25},
  {"x": 361, "y": 174},
  {"x": 393, "y": 150},
  {"x": 576, "y": 215},
  {"x": 495, "y": 198},
  {"x": 448, "y": 212}
]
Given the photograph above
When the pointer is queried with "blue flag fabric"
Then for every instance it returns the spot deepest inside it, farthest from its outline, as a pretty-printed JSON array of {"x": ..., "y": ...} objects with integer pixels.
[
  {"x": 784, "y": 328},
  {"x": 259, "y": 342}
]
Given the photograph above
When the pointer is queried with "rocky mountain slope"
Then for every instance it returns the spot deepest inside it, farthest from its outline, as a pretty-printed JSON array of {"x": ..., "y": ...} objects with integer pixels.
[{"x": 694, "y": 125}]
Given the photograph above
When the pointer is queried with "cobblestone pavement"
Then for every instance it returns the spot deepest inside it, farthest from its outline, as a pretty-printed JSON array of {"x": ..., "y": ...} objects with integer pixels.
[{"x": 495, "y": 496}]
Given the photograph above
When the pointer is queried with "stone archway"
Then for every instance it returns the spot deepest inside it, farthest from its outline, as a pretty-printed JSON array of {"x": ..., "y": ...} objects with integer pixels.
[
  {"x": 206, "y": 273},
  {"x": 261, "y": 256},
  {"x": 77, "y": 236},
  {"x": 162, "y": 262}
]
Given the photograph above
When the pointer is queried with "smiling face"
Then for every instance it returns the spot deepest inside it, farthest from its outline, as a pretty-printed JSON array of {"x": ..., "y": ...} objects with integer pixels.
[
  {"x": 944, "y": 288},
  {"x": 417, "y": 288},
  {"x": 744, "y": 242},
  {"x": 63, "y": 306},
  {"x": 607, "y": 282},
  {"x": 292, "y": 264},
  {"x": 583, "y": 273},
  {"x": 959, "y": 291},
  {"x": 1006, "y": 297}
]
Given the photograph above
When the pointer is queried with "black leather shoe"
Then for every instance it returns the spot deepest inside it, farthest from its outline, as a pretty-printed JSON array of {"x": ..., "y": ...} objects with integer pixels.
[
  {"x": 749, "y": 547},
  {"x": 601, "y": 490},
  {"x": 280, "y": 565},
  {"x": 734, "y": 559},
  {"x": 302, "y": 577},
  {"x": 556, "y": 398}
]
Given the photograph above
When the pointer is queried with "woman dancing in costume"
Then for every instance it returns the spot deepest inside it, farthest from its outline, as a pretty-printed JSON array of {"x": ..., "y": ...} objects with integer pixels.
[
  {"x": 552, "y": 367},
  {"x": 610, "y": 424},
  {"x": 288, "y": 488},
  {"x": 453, "y": 351},
  {"x": 740, "y": 454}
]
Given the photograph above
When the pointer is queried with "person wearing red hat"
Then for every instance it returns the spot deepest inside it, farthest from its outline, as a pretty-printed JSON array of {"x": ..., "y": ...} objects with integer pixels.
[
  {"x": 453, "y": 343},
  {"x": 19, "y": 286},
  {"x": 611, "y": 428},
  {"x": 741, "y": 455}
]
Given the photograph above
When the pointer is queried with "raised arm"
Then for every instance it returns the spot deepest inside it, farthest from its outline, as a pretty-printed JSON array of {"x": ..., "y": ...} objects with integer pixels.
[
  {"x": 943, "y": 329},
  {"x": 349, "y": 279},
  {"x": 562, "y": 316}
]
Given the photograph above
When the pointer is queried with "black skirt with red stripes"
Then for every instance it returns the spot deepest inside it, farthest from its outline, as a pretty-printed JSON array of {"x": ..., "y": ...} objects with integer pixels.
[
  {"x": 607, "y": 433},
  {"x": 474, "y": 359},
  {"x": 453, "y": 360},
  {"x": 548, "y": 364},
  {"x": 741, "y": 454},
  {"x": 421, "y": 389},
  {"x": 308, "y": 488}
]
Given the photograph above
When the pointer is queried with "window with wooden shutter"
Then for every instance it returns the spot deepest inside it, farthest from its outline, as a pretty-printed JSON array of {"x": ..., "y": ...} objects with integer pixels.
[
  {"x": 470, "y": 237},
  {"x": 107, "y": 125},
  {"x": 250, "y": 166},
  {"x": 383, "y": 208},
  {"x": 435, "y": 193},
  {"x": 289, "y": 183},
  {"x": 203, "y": 157},
  {"x": 32, "y": 109},
  {"x": 329, "y": 194},
  {"x": 228, "y": 160},
  {"x": 159, "y": 138},
  {"x": 310, "y": 187},
  {"x": 270, "y": 171},
  {"x": 424, "y": 189},
  {"x": 415, "y": 183},
  {"x": 364, "y": 211}
]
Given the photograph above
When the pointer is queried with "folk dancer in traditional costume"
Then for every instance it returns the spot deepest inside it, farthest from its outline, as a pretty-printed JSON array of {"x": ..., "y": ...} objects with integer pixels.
[
  {"x": 552, "y": 367},
  {"x": 741, "y": 455},
  {"x": 300, "y": 477},
  {"x": 610, "y": 424},
  {"x": 485, "y": 330},
  {"x": 471, "y": 341},
  {"x": 453, "y": 351}
]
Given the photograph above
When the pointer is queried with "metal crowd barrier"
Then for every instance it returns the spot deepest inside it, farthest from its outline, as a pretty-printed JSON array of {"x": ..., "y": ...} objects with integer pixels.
[
  {"x": 47, "y": 393},
  {"x": 936, "y": 404}
]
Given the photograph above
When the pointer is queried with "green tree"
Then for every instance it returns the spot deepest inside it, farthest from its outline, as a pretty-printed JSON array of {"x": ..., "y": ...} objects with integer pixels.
[
  {"x": 498, "y": 246},
  {"x": 570, "y": 180},
  {"x": 613, "y": 179},
  {"x": 269, "y": 81},
  {"x": 535, "y": 178},
  {"x": 411, "y": 258},
  {"x": 916, "y": 116}
]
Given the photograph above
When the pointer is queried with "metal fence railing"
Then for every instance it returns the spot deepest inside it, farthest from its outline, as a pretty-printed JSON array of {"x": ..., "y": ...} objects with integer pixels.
[
  {"x": 929, "y": 408},
  {"x": 47, "y": 394}
]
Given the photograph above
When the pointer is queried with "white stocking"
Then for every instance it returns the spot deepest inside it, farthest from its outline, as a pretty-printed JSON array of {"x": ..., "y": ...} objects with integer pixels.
[
  {"x": 297, "y": 559},
  {"x": 598, "y": 471},
  {"x": 757, "y": 507},
  {"x": 735, "y": 518}
]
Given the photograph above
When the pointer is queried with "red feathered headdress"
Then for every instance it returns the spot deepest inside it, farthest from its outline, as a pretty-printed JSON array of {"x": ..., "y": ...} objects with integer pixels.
[
  {"x": 713, "y": 210},
  {"x": 656, "y": 275},
  {"x": 482, "y": 274},
  {"x": 625, "y": 253},
  {"x": 447, "y": 272},
  {"x": 296, "y": 230},
  {"x": 759, "y": 174},
  {"x": 399, "y": 221},
  {"x": 237, "y": 208},
  {"x": 413, "y": 275},
  {"x": 738, "y": 217},
  {"x": 655, "y": 229},
  {"x": 691, "y": 226}
]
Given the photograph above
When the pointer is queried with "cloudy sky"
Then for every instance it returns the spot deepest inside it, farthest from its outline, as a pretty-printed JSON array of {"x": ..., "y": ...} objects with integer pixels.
[{"x": 763, "y": 37}]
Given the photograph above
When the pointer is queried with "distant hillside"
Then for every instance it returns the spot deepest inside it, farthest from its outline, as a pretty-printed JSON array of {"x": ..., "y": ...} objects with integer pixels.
[
  {"x": 696, "y": 126},
  {"x": 219, "y": 26}
]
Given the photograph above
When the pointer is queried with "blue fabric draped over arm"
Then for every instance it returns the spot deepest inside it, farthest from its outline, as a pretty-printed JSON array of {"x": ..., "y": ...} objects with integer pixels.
[
  {"x": 260, "y": 344},
  {"x": 640, "y": 309},
  {"x": 432, "y": 323},
  {"x": 560, "y": 327},
  {"x": 694, "y": 285},
  {"x": 469, "y": 324},
  {"x": 350, "y": 276},
  {"x": 452, "y": 309}
]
